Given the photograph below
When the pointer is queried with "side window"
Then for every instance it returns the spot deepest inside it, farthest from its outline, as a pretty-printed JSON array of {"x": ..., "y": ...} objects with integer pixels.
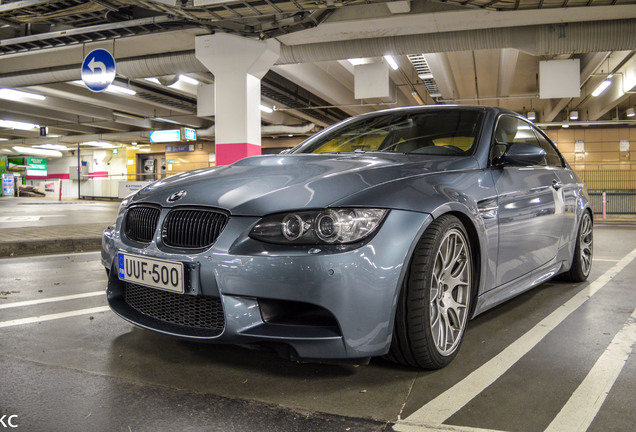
[
  {"x": 552, "y": 155},
  {"x": 513, "y": 130}
]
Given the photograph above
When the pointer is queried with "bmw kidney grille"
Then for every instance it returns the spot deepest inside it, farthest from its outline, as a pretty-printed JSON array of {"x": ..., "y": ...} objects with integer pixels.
[
  {"x": 141, "y": 222},
  {"x": 185, "y": 228}
]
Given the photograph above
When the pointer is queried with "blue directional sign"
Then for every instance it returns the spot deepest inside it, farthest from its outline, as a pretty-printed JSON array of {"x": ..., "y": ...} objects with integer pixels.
[{"x": 98, "y": 70}]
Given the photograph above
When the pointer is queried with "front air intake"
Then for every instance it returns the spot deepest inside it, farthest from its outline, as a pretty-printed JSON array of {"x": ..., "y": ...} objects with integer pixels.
[{"x": 203, "y": 316}]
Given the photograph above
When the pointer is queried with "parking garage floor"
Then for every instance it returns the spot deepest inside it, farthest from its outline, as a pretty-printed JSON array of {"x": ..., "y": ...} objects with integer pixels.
[{"x": 558, "y": 358}]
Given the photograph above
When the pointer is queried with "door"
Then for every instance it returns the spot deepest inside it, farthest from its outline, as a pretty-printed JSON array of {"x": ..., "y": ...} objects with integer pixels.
[{"x": 531, "y": 207}]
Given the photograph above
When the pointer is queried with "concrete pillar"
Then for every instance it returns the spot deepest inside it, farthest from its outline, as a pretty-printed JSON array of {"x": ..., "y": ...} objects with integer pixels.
[{"x": 238, "y": 64}]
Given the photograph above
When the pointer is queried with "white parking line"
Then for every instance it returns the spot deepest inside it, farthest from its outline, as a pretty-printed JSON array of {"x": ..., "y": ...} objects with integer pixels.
[
  {"x": 452, "y": 400},
  {"x": 50, "y": 317},
  {"x": 441, "y": 428},
  {"x": 579, "y": 412},
  {"x": 51, "y": 299}
]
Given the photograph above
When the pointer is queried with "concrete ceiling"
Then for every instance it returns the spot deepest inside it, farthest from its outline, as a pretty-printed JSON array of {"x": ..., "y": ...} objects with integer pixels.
[{"x": 466, "y": 52}]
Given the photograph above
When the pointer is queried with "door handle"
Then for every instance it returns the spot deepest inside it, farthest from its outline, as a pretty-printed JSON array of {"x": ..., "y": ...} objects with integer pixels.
[{"x": 557, "y": 184}]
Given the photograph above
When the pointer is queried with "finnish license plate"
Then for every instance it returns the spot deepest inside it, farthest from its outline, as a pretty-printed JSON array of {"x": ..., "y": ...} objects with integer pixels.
[{"x": 152, "y": 272}]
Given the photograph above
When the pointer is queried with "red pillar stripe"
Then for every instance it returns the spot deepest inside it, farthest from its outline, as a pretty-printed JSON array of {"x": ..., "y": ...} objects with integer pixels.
[{"x": 228, "y": 153}]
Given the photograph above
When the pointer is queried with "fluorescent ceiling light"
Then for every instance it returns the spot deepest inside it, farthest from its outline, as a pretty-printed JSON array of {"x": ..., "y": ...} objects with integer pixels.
[
  {"x": 266, "y": 109},
  {"x": 574, "y": 115},
  {"x": 4, "y": 139},
  {"x": 601, "y": 88},
  {"x": 391, "y": 61},
  {"x": 99, "y": 144},
  {"x": 532, "y": 115},
  {"x": 113, "y": 88},
  {"x": 10, "y": 124},
  {"x": 357, "y": 61},
  {"x": 118, "y": 89},
  {"x": 153, "y": 80},
  {"x": 167, "y": 120},
  {"x": 188, "y": 80},
  {"x": 52, "y": 147},
  {"x": 425, "y": 76},
  {"x": 17, "y": 95},
  {"x": 565, "y": 125},
  {"x": 37, "y": 152},
  {"x": 630, "y": 112},
  {"x": 417, "y": 97}
]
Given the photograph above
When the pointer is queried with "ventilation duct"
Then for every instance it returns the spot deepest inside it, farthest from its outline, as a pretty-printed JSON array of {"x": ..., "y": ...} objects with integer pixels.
[
  {"x": 135, "y": 67},
  {"x": 270, "y": 130},
  {"x": 302, "y": 129},
  {"x": 553, "y": 39}
]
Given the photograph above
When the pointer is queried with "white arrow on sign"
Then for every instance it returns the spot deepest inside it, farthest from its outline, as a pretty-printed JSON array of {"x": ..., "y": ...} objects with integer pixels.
[{"x": 92, "y": 65}]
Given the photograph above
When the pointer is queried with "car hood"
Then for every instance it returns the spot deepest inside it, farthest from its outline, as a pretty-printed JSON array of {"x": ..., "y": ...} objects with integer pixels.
[{"x": 262, "y": 185}]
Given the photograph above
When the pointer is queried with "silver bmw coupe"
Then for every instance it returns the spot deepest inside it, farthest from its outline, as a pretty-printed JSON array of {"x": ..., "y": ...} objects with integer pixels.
[{"x": 379, "y": 236}]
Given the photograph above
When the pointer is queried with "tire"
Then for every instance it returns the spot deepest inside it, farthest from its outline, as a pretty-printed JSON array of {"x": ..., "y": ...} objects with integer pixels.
[
  {"x": 435, "y": 300},
  {"x": 583, "y": 251}
]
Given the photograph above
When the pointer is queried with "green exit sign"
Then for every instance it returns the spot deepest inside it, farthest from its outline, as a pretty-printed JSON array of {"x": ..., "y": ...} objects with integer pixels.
[{"x": 115, "y": 151}]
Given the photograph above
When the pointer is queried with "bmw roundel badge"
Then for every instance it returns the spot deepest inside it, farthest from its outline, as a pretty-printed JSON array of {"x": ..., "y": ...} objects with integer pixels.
[{"x": 177, "y": 196}]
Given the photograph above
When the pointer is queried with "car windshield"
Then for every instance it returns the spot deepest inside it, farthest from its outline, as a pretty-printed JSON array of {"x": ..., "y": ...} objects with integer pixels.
[{"x": 433, "y": 132}]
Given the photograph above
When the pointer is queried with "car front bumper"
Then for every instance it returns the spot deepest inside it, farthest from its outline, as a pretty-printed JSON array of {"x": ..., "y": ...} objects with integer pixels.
[{"x": 325, "y": 303}]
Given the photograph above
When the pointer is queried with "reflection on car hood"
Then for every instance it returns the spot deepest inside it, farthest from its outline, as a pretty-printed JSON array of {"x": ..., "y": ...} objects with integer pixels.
[{"x": 262, "y": 185}]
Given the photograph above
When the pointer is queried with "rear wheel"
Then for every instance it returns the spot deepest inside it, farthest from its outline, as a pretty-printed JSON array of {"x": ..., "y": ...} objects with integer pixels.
[
  {"x": 583, "y": 251},
  {"x": 434, "y": 304}
]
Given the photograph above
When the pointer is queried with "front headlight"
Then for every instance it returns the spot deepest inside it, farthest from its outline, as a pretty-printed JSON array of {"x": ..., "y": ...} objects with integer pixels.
[{"x": 329, "y": 226}]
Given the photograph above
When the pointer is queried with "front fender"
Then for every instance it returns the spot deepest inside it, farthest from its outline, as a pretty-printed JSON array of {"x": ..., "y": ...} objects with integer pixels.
[{"x": 469, "y": 194}]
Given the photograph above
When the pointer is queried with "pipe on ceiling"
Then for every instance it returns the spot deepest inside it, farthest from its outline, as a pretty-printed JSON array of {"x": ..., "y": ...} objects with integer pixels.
[
  {"x": 552, "y": 39},
  {"x": 269, "y": 130},
  {"x": 173, "y": 63},
  {"x": 302, "y": 129}
]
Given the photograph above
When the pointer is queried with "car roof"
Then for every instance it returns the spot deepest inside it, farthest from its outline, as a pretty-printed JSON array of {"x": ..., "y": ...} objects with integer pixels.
[{"x": 423, "y": 108}]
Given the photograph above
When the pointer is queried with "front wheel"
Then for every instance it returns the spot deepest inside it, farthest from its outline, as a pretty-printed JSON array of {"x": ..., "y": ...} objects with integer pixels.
[{"x": 434, "y": 303}]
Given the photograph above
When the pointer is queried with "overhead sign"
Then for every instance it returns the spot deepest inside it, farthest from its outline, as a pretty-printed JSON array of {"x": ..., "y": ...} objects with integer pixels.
[
  {"x": 160, "y": 136},
  {"x": 98, "y": 70},
  {"x": 177, "y": 148},
  {"x": 36, "y": 167}
]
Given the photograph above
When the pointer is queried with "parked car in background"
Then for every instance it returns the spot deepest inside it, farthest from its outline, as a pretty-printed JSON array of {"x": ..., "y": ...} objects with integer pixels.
[{"x": 380, "y": 236}]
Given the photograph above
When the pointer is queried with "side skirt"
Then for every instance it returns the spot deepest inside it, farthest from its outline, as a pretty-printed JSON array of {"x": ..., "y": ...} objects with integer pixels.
[{"x": 518, "y": 286}]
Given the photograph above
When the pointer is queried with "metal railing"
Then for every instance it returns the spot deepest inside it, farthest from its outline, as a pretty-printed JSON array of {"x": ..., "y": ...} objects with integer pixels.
[
  {"x": 619, "y": 186},
  {"x": 609, "y": 180},
  {"x": 617, "y": 203},
  {"x": 110, "y": 186}
]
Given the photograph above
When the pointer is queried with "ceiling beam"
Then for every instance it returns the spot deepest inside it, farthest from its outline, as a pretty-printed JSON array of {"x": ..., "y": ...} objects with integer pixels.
[
  {"x": 507, "y": 66},
  {"x": 443, "y": 74}
]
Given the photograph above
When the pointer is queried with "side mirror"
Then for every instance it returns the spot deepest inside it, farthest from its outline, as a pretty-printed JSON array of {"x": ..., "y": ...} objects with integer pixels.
[{"x": 523, "y": 154}]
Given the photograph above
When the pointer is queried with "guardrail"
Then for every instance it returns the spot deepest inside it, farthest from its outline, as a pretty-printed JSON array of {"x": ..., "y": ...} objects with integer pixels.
[
  {"x": 618, "y": 185},
  {"x": 114, "y": 186}
]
